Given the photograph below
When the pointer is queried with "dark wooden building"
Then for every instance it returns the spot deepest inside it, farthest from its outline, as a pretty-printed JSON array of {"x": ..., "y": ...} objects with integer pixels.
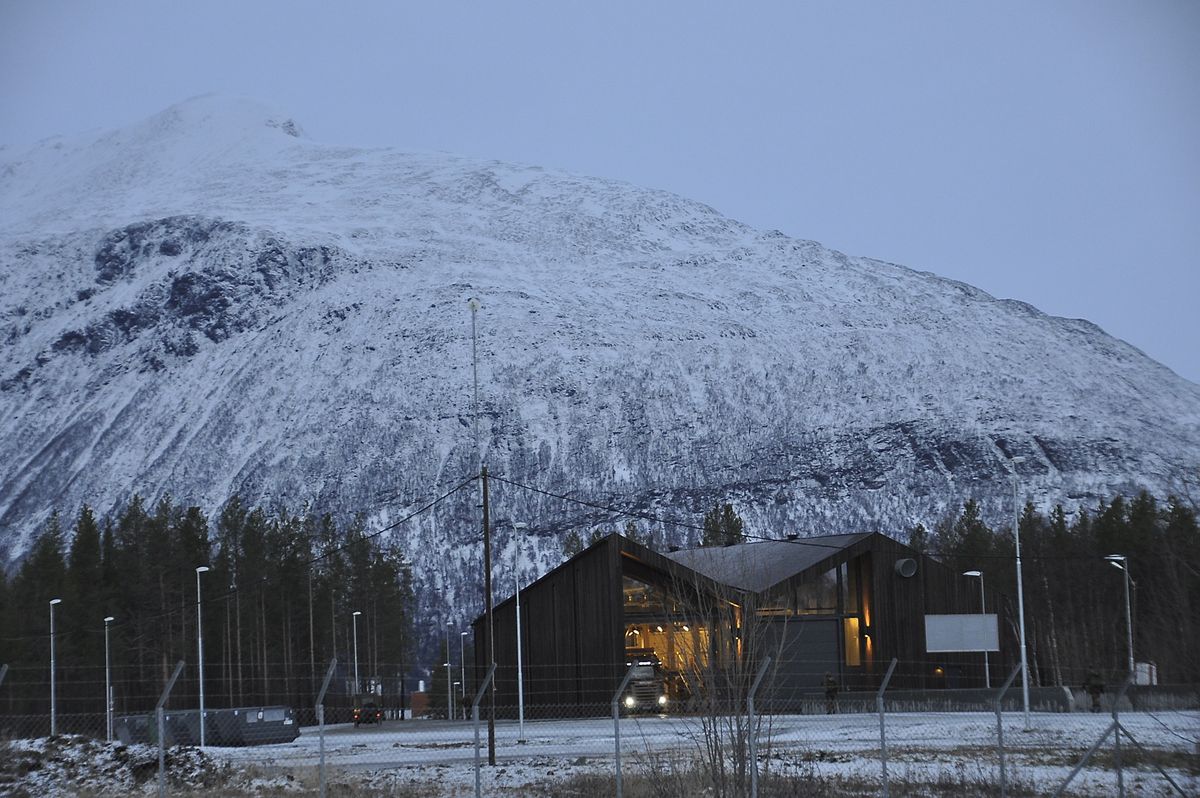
[{"x": 843, "y": 605}]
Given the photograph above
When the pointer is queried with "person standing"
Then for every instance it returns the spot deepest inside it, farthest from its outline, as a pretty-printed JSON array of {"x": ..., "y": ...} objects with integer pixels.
[
  {"x": 831, "y": 691},
  {"x": 1094, "y": 686}
]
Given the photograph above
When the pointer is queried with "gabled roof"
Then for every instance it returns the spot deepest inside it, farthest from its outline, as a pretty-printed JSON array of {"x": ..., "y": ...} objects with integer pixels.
[{"x": 763, "y": 564}]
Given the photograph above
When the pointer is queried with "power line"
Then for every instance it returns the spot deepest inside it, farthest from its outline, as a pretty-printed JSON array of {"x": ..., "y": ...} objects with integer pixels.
[{"x": 598, "y": 506}]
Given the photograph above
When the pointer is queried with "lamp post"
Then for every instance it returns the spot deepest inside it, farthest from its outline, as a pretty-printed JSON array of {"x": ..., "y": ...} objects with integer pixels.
[
  {"x": 520, "y": 528},
  {"x": 449, "y": 677},
  {"x": 108, "y": 707},
  {"x": 987, "y": 674},
  {"x": 1014, "y": 462},
  {"x": 354, "y": 623},
  {"x": 200, "y": 569},
  {"x": 1122, "y": 562},
  {"x": 53, "y": 698},
  {"x": 462, "y": 661}
]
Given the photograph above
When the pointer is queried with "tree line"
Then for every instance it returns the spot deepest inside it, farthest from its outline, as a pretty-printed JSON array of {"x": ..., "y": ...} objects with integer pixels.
[
  {"x": 282, "y": 587},
  {"x": 1074, "y": 597},
  {"x": 277, "y": 605}
]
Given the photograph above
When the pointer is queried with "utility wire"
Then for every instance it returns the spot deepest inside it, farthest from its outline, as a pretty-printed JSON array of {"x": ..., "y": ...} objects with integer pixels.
[{"x": 597, "y": 505}]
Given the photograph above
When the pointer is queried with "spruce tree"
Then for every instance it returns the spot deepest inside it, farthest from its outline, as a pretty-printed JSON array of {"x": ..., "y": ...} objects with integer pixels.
[
  {"x": 722, "y": 526},
  {"x": 84, "y": 599},
  {"x": 572, "y": 544}
]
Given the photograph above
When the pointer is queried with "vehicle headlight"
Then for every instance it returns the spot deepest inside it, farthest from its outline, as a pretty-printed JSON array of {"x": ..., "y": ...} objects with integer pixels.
[
  {"x": 662, "y": 700},
  {"x": 630, "y": 701}
]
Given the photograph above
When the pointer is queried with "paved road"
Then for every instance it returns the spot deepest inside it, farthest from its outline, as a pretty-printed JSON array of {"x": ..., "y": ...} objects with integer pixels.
[{"x": 426, "y": 742}]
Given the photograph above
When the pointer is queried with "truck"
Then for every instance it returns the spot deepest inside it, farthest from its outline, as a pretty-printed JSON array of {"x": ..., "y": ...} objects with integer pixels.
[{"x": 647, "y": 689}]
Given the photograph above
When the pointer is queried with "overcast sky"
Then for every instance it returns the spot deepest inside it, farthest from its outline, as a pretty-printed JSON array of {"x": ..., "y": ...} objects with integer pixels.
[{"x": 1043, "y": 151}]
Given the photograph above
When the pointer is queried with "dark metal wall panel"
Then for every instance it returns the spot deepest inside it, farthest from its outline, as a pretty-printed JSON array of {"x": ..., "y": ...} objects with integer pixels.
[
  {"x": 899, "y": 607},
  {"x": 569, "y": 635}
]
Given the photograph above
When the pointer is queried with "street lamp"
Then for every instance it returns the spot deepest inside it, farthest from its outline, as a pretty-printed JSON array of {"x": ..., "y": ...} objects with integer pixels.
[
  {"x": 449, "y": 676},
  {"x": 1014, "y": 462},
  {"x": 462, "y": 661},
  {"x": 53, "y": 699},
  {"x": 355, "y": 624},
  {"x": 1122, "y": 562},
  {"x": 108, "y": 704},
  {"x": 987, "y": 674},
  {"x": 200, "y": 569},
  {"x": 520, "y": 528}
]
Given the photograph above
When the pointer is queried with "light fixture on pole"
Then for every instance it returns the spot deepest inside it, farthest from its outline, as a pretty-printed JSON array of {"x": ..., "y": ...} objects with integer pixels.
[
  {"x": 449, "y": 677},
  {"x": 355, "y": 624},
  {"x": 53, "y": 698},
  {"x": 520, "y": 528},
  {"x": 1122, "y": 562},
  {"x": 200, "y": 569},
  {"x": 1014, "y": 462},
  {"x": 987, "y": 674},
  {"x": 462, "y": 661},
  {"x": 108, "y": 703}
]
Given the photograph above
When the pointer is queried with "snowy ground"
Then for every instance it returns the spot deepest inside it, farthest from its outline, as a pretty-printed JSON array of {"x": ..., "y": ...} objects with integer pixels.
[
  {"x": 921, "y": 746},
  {"x": 436, "y": 758}
]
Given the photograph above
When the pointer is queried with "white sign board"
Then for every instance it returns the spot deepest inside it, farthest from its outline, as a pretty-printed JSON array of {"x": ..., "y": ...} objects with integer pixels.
[{"x": 962, "y": 633}]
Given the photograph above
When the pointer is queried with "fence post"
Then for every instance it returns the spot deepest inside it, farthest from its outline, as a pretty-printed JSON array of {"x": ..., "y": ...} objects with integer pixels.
[
  {"x": 882, "y": 731},
  {"x": 1116, "y": 727},
  {"x": 616, "y": 713},
  {"x": 487, "y": 680},
  {"x": 1112, "y": 727},
  {"x": 1000, "y": 728},
  {"x": 762, "y": 671},
  {"x": 321, "y": 721},
  {"x": 158, "y": 712}
]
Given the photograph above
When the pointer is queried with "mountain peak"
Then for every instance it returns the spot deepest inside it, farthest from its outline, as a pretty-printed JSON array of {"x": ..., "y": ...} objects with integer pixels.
[
  {"x": 205, "y": 304},
  {"x": 223, "y": 115},
  {"x": 197, "y": 145}
]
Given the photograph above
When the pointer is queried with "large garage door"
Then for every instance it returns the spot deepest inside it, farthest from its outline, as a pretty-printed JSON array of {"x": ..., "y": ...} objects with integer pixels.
[{"x": 801, "y": 652}]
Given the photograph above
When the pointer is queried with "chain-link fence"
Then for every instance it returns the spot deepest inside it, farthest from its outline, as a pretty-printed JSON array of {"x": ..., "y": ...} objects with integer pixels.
[{"x": 775, "y": 729}]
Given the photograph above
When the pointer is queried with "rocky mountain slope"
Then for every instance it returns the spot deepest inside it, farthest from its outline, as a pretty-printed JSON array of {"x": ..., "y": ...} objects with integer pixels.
[{"x": 207, "y": 303}]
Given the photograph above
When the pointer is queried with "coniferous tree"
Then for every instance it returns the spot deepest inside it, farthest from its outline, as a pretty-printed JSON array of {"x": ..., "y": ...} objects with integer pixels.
[
  {"x": 919, "y": 539},
  {"x": 572, "y": 544},
  {"x": 722, "y": 527}
]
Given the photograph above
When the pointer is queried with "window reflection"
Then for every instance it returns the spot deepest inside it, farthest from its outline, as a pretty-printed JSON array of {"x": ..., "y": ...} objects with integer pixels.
[{"x": 818, "y": 597}]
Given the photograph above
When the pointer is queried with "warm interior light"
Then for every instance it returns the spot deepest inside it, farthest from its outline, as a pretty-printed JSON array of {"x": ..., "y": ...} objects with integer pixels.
[{"x": 850, "y": 642}]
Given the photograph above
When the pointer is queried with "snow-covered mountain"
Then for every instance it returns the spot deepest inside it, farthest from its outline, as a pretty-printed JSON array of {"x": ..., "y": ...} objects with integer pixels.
[{"x": 207, "y": 303}]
